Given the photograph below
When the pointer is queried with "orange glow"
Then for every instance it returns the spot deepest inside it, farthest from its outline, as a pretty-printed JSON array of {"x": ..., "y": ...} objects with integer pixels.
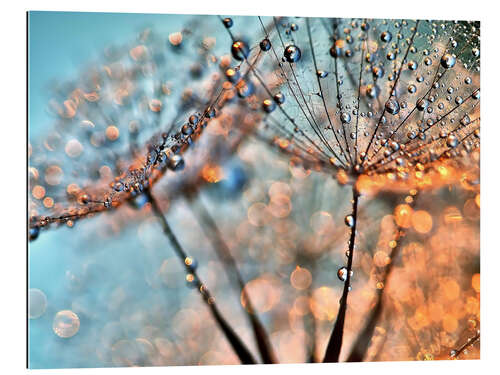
[
  {"x": 175, "y": 38},
  {"x": 112, "y": 133},
  {"x": 38, "y": 192},
  {"x": 451, "y": 215},
  {"x": 48, "y": 202},
  {"x": 324, "y": 303},
  {"x": 450, "y": 323},
  {"x": 422, "y": 221},
  {"x": 402, "y": 215},
  {"x": 342, "y": 177},
  {"x": 476, "y": 282},
  {"x": 212, "y": 173},
  {"x": 381, "y": 259},
  {"x": 450, "y": 289}
]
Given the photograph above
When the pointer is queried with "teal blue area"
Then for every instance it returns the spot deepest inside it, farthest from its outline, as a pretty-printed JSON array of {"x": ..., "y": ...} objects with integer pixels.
[{"x": 59, "y": 44}]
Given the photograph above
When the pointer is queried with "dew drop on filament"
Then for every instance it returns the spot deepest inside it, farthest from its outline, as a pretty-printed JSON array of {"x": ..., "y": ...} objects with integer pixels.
[
  {"x": 292, "y": 53},
  {"x": 349, "y": 221}
]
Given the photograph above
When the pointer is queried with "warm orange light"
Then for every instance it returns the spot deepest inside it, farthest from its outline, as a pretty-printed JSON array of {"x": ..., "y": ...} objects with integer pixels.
[
  {"x": 38, "y": 192},
  {"x": 421, "y": 221},
  {"x": 402, "y": 215},
  {"x": 476, "y": 282},
  {"x": 112, "y": 133},
  {"x": 212, "y": 173}
]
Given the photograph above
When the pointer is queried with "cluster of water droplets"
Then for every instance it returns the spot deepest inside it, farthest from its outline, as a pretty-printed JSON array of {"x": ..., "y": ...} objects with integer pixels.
[
  {"x": 368, "y": 95},
  {"x": 123, "y": 123}
]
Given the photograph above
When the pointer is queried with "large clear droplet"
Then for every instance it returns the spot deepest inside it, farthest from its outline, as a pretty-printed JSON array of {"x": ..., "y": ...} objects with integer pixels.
[
  {"x": 292, "y": 53},
  {"x": 349, "y": 221}
]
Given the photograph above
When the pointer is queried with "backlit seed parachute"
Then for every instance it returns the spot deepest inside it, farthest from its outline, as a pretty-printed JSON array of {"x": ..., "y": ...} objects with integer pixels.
[{"x": 388, "y": 99}]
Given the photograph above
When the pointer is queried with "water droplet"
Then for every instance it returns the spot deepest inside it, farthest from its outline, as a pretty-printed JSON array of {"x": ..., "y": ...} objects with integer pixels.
[
  {"x": 268, "y": 105},
  {"x": 345, "y": 118},
  {"x": 422, "y": 104},
  {"x": 265, "y": 45},
  {"x": 292, "y": 53},
  {"x": 191, "y": 263},
  {"x": 465, "y": 120},
  {"x": 392, "y": 106},
  {"x": 228, "y": 22},
  {"x": 448, "y": 61},
  {"x": 321, "y": 73},
  {"x": 193, "y": 119},
  {"x": 191, "y": 281},
  {"x": 378, "y": 72},
  {"x": 372, "y": 91},
  {"x": 342, "y": 273},
  {"x": 66, "y": 324},
  {"x": 386, "y": 36},
  {"x": 33, "y": 233},
  {"x": 187, "y": 129},
  {"x": 349, "y": 221},
  {"x": 176, "y": 163},
  {"x": 233, "y": 75},
  {"x": 210, "y": 112},
  {"x": 245, "y": 89},
  {"x": 240, "y": 50},
  {"x": 452, "y": 141},
  {"x": 412, "y": 65},
  {"x": 279, "y": 98},
  {"x": 118, "y": 186}
]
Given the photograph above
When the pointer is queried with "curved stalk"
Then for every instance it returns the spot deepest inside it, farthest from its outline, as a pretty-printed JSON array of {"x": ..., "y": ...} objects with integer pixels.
[
  {"x": 224, "y": 254},
  {"x": 236, "y": 343}
]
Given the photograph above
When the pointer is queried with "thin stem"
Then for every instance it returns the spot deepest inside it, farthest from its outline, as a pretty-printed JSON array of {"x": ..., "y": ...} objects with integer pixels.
[
  {"x": 312, "y": 358},
  {"x": 238, "y": 346},
  {"x": 335, "y": 343},
  {"x": 223, "y": 252},
  {"x": 470, "y": 342},
  {"x": 364, "y": 338}
]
